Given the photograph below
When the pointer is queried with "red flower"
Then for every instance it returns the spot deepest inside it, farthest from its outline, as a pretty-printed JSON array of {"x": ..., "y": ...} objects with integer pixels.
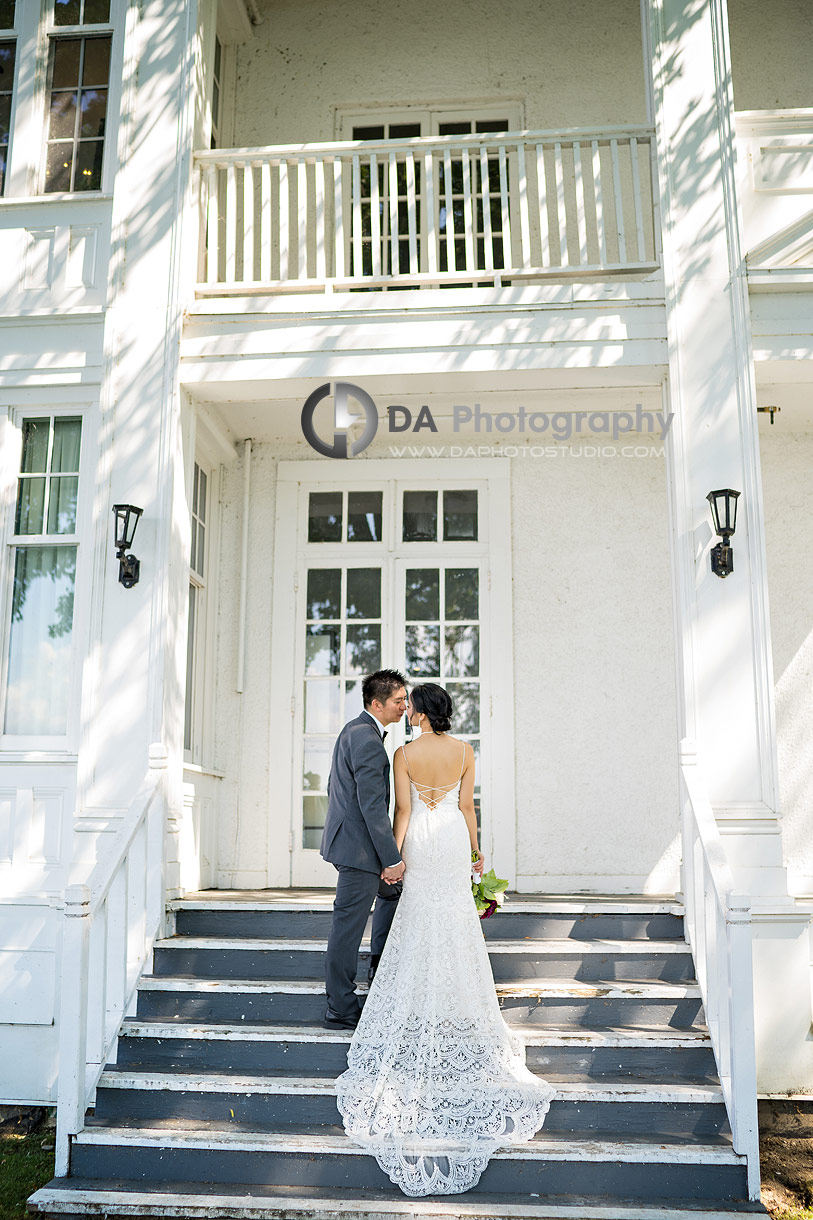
[{"x": 490, "y": 909}]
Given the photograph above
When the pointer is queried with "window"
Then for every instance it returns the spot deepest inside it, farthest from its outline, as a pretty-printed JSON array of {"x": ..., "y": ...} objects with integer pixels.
[
  {"x": 78, "y": 81},
  {"x": 8, "y": 56},
  {"x": 196, "y": 626},
  {"x": 38, "y": 679}
]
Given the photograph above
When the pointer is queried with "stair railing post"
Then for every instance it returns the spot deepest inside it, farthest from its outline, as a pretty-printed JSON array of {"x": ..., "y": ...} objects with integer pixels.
[
  {"x": 744, "y": 1122},
  {"x": 73, "y": 1011}
]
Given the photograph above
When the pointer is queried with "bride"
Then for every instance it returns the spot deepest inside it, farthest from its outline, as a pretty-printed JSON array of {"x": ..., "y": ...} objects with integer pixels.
[{"x": 436, "y": 1082}]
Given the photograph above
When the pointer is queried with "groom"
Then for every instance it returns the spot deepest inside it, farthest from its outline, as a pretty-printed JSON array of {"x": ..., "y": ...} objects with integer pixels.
[{"x": 359, "y": 842}]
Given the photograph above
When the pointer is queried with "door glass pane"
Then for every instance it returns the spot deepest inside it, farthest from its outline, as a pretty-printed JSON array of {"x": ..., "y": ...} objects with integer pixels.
[
  {"x": 353, "y": 704},
  {"x": 314, "y": 812},
  {"x": 30, "y": 506},
  {"x": 316, "y": 766},
  {"x": 67, "y": 438},
  {"x": 466, "y": 699},
  {"x": 322, "y": 644},
  {"x": 422, "y": 594},
  {"x": 35, "y": 446},
  {"x": 324, "y": 593},
  {"x": 423, "y": 650},
  {"x": 363, "y": 592},
  {"x": 460, "y": 516},
  {"x": 364, "y": 516},
  {"x": 363, "y": 648},
  {"x": 462, "y": 600},
  {"x": 62, "y": 504},
  {"x": 322, "y": 706},
  {"x": 462, "y": 659},
  {"x": 40, "y": 644},
  {"x": 420, "y": 516},
  {"x": 325, "y": 516}
]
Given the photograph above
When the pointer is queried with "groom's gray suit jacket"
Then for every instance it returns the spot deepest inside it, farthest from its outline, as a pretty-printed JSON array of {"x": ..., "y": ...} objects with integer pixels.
[{"x": 357, "y": 830}]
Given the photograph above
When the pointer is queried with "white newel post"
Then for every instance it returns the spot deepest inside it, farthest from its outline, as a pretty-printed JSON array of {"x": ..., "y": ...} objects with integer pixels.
[
  {"x": 72, "y": 1023},
  {"x": 725, "y": 672}
]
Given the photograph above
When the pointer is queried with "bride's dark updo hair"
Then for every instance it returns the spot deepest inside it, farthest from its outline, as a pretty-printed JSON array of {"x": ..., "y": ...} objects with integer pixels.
[{"x": 435, "y": 703}]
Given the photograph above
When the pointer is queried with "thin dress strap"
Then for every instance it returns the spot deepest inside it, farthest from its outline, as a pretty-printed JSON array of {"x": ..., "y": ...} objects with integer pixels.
[{"x": 403, "y": 751}]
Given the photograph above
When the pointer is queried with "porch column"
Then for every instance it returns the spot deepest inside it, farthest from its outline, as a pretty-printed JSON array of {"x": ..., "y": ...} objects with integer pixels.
[{"x": 725, "y": 677}]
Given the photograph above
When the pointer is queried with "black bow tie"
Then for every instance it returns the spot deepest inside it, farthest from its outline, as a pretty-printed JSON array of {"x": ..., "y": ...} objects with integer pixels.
[{"x": 384, "y": 734}]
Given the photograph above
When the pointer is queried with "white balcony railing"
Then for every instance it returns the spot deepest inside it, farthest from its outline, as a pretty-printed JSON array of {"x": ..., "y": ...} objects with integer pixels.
[
  {"x": 521, "y": 206},
  {"x": 718, "y": 927}
]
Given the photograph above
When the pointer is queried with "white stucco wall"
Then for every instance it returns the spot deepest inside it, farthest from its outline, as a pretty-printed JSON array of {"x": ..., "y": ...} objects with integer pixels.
[
  {"x": 787, "y": 459},
  {"x": 770, "y": 53},
  {"x": 569, "y": 64}
]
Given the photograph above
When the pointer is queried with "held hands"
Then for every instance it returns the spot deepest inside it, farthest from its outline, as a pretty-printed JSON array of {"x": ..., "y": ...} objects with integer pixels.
[
  {"x": 391, "y": 875},
  {"x": 478, "y": 862}
]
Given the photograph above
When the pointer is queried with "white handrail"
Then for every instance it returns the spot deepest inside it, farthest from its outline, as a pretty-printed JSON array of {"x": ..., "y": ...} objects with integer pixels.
[
  {"x": 430, "y": 210},
  {"x": 718, "y": 928},
  {"x": 110, "y": 925}
]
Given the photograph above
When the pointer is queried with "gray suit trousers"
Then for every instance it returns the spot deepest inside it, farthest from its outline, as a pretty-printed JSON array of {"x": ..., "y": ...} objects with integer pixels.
[{"x": 355, "y": 890}]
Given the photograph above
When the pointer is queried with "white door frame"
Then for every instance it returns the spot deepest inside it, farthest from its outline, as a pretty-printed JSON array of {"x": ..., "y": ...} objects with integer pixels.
[{"x": 294, "y": 480}]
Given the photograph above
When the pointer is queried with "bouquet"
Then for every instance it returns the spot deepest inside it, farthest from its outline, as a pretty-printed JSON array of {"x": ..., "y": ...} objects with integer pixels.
[{"x": 488, "y": 891}]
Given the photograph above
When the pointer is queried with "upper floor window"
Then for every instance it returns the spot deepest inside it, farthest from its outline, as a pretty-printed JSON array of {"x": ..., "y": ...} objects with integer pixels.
[
  {"x": 78, "y": 85},
  {"x": 8, "y": 56}
]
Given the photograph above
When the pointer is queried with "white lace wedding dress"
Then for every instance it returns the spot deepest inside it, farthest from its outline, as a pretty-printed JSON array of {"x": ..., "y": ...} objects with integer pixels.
[{"x": 436, "y": 1081}]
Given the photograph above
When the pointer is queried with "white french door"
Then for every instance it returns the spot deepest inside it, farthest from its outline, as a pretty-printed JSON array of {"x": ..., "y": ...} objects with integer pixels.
[{"x": 387, "y": 571}]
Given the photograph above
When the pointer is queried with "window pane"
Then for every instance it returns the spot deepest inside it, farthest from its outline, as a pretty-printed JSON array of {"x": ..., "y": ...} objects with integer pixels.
[
  {"x": 35, "y": 446},
  {"x": 420, "y": 516},
  {"x": 190, "y": 669},
  {"x": 6, "y": 14},
  {"x": 201, "y": 510},
  {"x": 89, "y": 166},
  {"x": 67, "y": 12},
  {"x": 423, "y": 651},
  {"x": 67, "y": 438},
  {"x": 462, "y": 659},
  {"x": 364, "y": 593},
  {"x": 40, "y": 645},
  {"x": 62, "y": 505},
  {"x": 325, "y": 516},
  {"x": 460, "y": 516},
  {"x": 194, "y": 548},
  {"x": 316, "y": 766},
  {"x": 30, "y": 506},
  {"x": 314, "y": 812},
  {"x": 93, "y": 106},
  {"x": 466, "y": 700},
  {"x": 364, "y": 516},
  {"x": 62, "y": 116},
  {"x": 96, "y": 65},
  {"x": 363, "y": 648},
  {"x": 322, "y": 707},
  {"x": 5, "y": 115},
  {"x": 58, "y": 167},
  {"x": 65, "y": 64},
  {"x": 97, "y": 12},
  {"x": 422, "y": 594},
  {"x": 322, "y": 646},
  {"x": 462, "y": 600},
  {"x": 201, "y": 550},
  {"x": 324, "y": 593}
]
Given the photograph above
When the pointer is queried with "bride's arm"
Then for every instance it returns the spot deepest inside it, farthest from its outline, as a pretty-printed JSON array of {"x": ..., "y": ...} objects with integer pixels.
[
  {"x": 466, "y": 803},
  {"x": 403, "y": 800}
]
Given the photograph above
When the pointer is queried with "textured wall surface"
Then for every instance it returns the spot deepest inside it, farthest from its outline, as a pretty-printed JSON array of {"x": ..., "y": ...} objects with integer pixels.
[
  {"x": 770, "y": 53},
  {"x": 571, "y": 64}
]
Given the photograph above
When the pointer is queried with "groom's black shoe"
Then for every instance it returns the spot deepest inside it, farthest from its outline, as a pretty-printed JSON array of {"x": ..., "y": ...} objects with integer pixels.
[
  {"x": 332, "y": 1020},
  {"x": 374, "y": 960}
]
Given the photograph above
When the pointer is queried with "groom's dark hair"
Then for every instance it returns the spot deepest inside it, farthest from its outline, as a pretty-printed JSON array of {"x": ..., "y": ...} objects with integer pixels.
[{"x": 380, "y": 685}]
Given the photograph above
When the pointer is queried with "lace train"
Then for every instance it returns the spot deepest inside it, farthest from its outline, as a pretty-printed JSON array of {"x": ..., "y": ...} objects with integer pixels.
[{"x": 436, "y": 1082}]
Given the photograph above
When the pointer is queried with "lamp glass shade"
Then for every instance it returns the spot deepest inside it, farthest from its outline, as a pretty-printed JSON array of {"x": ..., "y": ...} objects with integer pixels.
[
  {"x": 126, "y": 521},
  {"x": 723, "y": 505}
]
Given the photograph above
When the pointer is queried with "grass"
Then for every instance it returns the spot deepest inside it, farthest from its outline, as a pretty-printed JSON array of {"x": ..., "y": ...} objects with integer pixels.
[{"x": 24, "y": 1166}]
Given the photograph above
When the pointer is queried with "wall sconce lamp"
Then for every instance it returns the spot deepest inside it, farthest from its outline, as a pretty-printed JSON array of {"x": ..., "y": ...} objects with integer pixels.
[
  {"x": 126, "y": 521},
  {"x": 724, "y": 514}
]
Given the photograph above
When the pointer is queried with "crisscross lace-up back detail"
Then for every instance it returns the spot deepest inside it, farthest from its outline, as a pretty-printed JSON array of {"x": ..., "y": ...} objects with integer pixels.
[{"x": 444, "y": 789}]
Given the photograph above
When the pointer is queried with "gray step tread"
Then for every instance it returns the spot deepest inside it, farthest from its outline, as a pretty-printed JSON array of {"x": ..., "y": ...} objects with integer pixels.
[
  {"x": 549, "y": 946},
  {"x": 542, "y": 1147},
  {"x": 215, "y": 1082},
  {"x": 189, "y": 1199},
  {"x": 541, "y": 988},
  {"x": 322, "y": 900},
  {"x": 532, "y": 1036}
]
